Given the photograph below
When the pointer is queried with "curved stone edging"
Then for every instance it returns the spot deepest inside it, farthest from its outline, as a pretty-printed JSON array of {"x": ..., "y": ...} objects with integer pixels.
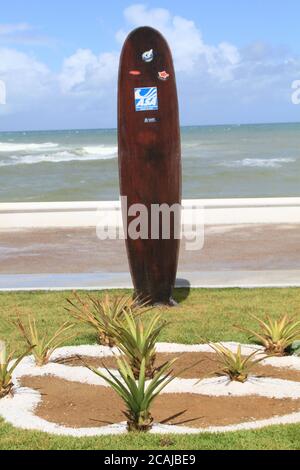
[{"x": 19, "y": 409}]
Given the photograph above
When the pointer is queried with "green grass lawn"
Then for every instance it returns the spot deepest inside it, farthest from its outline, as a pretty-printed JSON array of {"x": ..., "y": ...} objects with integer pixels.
[{"x": 201, "y": 315}]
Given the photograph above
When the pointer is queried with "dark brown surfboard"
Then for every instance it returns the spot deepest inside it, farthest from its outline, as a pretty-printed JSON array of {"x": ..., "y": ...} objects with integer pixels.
[{"x": 150, "y": 156}]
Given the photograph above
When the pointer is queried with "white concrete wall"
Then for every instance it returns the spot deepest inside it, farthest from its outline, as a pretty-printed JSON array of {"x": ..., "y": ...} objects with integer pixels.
[{"x": 14, "y": 216}]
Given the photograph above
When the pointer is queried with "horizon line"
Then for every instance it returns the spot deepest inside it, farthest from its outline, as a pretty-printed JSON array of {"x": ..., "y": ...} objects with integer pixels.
[{"x": 181, "y": 127}]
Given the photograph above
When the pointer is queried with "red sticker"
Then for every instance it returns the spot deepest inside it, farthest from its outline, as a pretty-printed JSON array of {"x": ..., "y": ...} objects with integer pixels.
[
  {"x": 135, "y": 72},
  {"x": 163, "y": 75}
]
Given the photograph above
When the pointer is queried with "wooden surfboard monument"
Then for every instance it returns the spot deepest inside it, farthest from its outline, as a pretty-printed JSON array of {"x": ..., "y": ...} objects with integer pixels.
[{"x": 149, "y": 162}]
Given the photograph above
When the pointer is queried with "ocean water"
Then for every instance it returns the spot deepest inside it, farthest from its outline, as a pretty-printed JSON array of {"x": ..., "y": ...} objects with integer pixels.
[{"x": 218, "y": 162}]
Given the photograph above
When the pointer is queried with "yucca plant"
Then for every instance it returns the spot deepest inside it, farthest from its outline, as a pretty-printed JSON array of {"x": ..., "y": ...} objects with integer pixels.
[
  {"x": 7, "y": 367},
  {"x": 44, "y": 345},
  {"x": 137, "y": 341},
  {"x": 102, "y": 314},
  {"x": 137, "y": 395},
  {"x": 234, "y": 365},
  {"x": 276, "y": 336}
]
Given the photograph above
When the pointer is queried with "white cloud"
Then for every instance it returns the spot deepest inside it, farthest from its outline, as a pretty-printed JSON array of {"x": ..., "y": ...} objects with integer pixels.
[
  {"x": 185, "y": 39},
  {"x": 140, "y": 15},
  {"x": 14, "y": 28},
  {"x": 230, "y": 53},
  {"x": 27, "y": 80},
  {"x": 2, "y": 92},
  {"x": 86, "y": 72},
  {"x": 217, "y": 82},
  {"x": 24, "y": 34}
]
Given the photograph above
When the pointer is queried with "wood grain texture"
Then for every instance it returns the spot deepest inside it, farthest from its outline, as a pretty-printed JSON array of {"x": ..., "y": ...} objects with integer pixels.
[{"x": 150, "y": 159}]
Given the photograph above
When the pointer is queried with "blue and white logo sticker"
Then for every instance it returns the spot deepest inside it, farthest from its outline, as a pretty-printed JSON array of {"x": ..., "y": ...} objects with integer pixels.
[
  {"x": 148, "y": 56},
  {"x": 146, "y": 99}
]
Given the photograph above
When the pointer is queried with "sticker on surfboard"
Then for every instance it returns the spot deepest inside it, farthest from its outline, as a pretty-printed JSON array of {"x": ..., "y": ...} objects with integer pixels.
[
  {"x": 146, "y": 99},
  {"x": 148, "y": 56},
  {"x": 163, "y": 75},
  {"x": 151, "y": 120}
]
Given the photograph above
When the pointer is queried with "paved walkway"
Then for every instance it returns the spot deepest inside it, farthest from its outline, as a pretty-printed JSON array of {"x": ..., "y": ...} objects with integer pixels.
[
  {"x": 100, "y": 281},
  {"x": 233, "y": 256}
]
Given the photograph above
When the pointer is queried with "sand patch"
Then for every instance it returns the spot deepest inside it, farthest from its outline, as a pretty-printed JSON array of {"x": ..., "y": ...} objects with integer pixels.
[{"x": 83, "y": 406}]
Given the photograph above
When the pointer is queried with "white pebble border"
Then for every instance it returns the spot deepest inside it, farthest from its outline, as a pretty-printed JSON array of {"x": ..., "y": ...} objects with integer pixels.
[{"x": 19, "y": 410}]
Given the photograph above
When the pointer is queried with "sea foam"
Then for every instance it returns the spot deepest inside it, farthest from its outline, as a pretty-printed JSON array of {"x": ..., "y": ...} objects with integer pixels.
[
  {"x": 258, "y": 162},
  {"x": 23, "y": 147},
  {"x": 91, "y": 153}
]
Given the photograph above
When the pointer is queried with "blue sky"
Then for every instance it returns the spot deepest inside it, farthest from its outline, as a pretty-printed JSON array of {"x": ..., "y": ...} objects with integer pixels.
[{"x": 235, "y": 60}]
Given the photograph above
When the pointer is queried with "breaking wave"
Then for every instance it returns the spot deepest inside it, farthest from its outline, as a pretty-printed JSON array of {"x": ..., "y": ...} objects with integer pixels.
[
  {"x": 52, "y": 154},
  {"x": 11, "y": 147},
  {"x": 258, "y": 163}
]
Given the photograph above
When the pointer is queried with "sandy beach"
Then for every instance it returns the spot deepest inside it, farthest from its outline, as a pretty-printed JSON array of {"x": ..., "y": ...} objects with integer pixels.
[{"x": 226, "y": 248}]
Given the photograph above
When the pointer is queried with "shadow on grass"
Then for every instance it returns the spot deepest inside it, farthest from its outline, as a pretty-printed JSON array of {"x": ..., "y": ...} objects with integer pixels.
[{"x": 182, "y": 292}]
